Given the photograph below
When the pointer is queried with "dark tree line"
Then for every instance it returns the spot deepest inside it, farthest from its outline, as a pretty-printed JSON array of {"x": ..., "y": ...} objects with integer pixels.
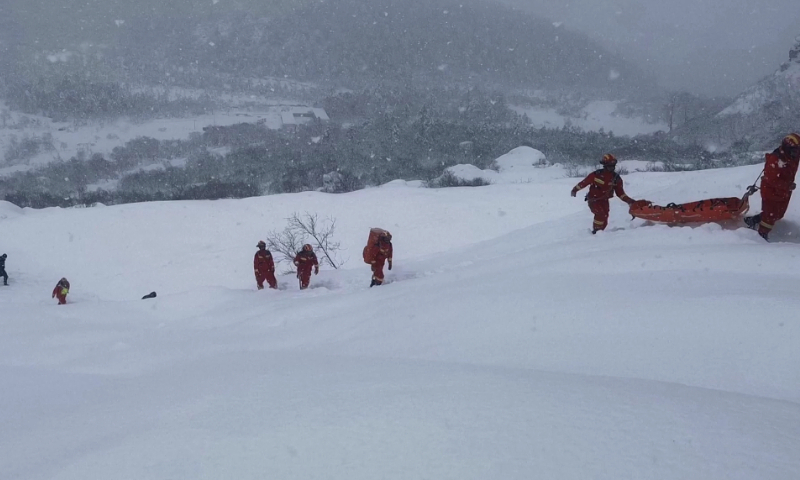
[{"x": 410, "y": 140}]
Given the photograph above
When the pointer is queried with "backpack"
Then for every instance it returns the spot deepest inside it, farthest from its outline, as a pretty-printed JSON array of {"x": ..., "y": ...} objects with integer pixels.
[{"x": 372, "y": 243}]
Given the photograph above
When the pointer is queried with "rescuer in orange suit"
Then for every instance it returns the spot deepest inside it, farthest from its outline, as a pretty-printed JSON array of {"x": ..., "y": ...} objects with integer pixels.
[
  {"x": 305, "y": 260},
  {"x": 264, "y": 267},
  {"x": 777, "y": 185},
  {"x": 604, "y": 184},
  {"x": 382, "y": 251}
]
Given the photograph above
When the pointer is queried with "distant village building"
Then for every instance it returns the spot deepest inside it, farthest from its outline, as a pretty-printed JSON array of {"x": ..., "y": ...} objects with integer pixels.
[{"x": 301, "y": 115}]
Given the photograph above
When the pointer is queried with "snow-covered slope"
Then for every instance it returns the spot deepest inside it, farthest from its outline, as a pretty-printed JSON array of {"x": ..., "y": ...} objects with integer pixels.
[
  {"x": 760, "y": 116},
  {"x": 528, "y": 165},
  {"x": 64, "y": 140},
  {"x": 597, "y": 115},
  {"x": 510, "y": 342},
  {"x": 776, "y": 88},
  {"x": 770, "y": 90}
]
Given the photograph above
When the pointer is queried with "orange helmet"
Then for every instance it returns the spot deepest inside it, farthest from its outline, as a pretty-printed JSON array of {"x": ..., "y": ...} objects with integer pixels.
[
  {"x": 791, "y": 141},
  {"x": 608, "y": 160},
  {"x": 307, "y": 247}
]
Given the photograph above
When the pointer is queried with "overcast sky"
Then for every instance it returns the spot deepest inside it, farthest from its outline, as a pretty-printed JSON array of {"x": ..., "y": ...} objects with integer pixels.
[{"x": 704, "y": 46}]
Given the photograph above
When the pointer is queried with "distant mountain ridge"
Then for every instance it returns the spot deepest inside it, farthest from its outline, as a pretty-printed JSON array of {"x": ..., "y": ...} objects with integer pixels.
[
  {"x": 347, "y": 41},
  {"x": 784, "y": 82},
  {"x": 760, "y": 116}
]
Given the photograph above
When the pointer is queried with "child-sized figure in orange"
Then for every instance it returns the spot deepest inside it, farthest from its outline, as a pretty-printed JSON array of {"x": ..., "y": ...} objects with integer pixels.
[{"x": 61, "y": 291}]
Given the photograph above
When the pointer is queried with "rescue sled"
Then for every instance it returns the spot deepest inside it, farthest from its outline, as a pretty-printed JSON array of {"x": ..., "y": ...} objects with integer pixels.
[{"x": 703, "y": 211}]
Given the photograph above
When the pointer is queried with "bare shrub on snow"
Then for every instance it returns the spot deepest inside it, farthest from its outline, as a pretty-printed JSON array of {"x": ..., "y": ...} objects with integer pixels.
[
  {"x": 574, "y": 171},
  {"x": 449, "y": 179},
  {"x": 300, "y": 230}
]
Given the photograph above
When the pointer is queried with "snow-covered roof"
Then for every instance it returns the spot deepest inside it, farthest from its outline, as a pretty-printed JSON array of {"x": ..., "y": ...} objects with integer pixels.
[{"x": 299, "y": 115}]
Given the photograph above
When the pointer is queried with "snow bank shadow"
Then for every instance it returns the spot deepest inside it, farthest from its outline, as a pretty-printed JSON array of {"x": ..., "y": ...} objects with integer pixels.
[
  {"x": 732, "y": 224},
  {"x": 316, "y": 282},
  {"x": 327, "y": 283},
  {"x": 388, "y": 279},
  {"x": 785, "y": 231},
  {"x": 400, "y": 277},
  {"x": 725, "y": 224}
]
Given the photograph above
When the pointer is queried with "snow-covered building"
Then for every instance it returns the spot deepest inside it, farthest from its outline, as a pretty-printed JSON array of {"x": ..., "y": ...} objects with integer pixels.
[{"x": 294, "y": 116}]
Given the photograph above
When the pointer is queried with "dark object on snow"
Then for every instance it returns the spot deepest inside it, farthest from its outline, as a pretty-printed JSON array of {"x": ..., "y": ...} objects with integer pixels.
[
  {"x": 3, "y": 268},
  {"x": 149, "y": 295},
  {"x": 61, "y": 291}
]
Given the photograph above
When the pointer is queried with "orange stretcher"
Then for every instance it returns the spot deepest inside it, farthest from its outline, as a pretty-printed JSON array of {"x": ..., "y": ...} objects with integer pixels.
[{"x": 703, "y": 211}]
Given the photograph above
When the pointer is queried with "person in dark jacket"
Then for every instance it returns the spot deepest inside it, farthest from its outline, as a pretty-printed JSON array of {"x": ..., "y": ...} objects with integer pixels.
[
  {"x": 61, "y": 291},
  {"x": 305, "y": 261},
  {"x": 3, "y": 268}
]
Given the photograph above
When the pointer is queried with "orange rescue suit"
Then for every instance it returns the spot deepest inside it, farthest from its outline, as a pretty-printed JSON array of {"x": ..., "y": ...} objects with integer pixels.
[
  {"x": 776, "y": 188},
  {"x": 381, "y": 252},
  {"x": 603, "y": 184},
  {"x": 264, "y": 268},
  {"x": 305, "y": 261}
]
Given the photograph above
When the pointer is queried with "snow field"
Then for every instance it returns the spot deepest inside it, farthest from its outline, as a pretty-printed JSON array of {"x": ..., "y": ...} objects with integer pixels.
[
  {"x": 510, "y": 342},
  {"x": 599, "y": 114},
  {"x": 69, "y": 139}
]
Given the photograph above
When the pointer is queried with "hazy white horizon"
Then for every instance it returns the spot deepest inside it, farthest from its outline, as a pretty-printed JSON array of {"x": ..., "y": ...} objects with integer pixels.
[{"x": 709, "y": 47}]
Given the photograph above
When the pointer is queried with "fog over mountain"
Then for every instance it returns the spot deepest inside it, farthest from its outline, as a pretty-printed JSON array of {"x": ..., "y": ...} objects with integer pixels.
[
  {"x": 349, "y": 41},
  {"x": 712, "y": 47}
]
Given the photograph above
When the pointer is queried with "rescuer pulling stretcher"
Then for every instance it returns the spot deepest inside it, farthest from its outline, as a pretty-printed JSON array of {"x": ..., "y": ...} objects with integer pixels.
[
  {"x": 777, "y": 185},
  {"x": 603, "y": 184},
  {"x": 776, "y": 188}
]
